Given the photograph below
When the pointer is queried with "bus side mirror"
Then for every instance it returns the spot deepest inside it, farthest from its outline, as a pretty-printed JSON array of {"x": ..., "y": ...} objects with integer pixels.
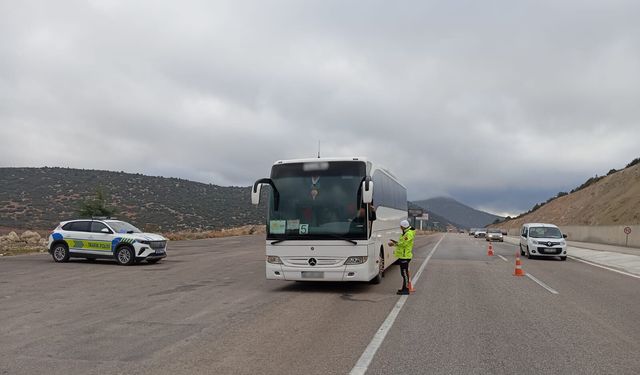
[
  {"x": 367, "y": 191},
  {"x": 257, "y": 187},
  {"x": 255, "y": 194}
]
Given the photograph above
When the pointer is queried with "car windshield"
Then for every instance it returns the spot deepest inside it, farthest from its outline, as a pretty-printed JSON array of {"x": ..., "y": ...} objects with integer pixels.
[
  {"x": 545, "y": 232},
  {"x": 495, "y": 231},
  {"x": 123, "y": 227}
]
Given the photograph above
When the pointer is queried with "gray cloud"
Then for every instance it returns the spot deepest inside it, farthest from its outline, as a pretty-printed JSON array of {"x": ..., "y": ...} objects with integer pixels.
[{"x": 478, "y": 99}]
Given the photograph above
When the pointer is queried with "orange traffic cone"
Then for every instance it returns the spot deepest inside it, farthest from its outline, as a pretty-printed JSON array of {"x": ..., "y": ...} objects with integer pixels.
[
  {"x": 519, "y": 271},
  {"x": 490, "y": 250},
  {"x": 411, "y": 290}
]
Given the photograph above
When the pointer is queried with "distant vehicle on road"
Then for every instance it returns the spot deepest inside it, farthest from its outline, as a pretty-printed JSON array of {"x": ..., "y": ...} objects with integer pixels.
[
  {"x": 542, "y": 240},
  {"x": 494, "y": 235},
  {"x": 105, "y": 239},
  {"x": 330, "y": 219},
  {"x": 472, "y": 231},
  {"x": 480, "y": 233}
]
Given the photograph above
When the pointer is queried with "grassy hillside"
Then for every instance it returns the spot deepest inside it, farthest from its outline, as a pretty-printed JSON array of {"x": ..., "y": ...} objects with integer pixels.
[
  {"x": 39, "y": 198},
  {"x": 610, "y": 200},
  {"x": 456, "y": 212}
]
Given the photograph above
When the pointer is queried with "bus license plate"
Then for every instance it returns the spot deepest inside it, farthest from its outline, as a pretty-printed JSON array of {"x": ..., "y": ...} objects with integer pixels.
[{"x": 312, "y": 275}]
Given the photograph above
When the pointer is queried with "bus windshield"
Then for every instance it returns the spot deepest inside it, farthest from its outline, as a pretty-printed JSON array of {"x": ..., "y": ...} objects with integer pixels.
[{"x": 318, "y": 201}]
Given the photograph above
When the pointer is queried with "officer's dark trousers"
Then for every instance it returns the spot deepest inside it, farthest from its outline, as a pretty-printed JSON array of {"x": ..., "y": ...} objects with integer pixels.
[{"x": 404, "y": 272}]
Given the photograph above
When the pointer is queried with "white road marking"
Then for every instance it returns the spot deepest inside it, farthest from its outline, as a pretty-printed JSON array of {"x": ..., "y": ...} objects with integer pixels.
[
  {"x": 367, "y": 356},
  {"x": 503, "y": 258},
  {"x": 605, "y": 267},
  {"x": 547, "y": 287}
]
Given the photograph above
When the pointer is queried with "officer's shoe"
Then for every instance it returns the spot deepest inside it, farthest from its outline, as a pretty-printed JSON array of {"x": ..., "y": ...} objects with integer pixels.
[{"x": 403, "y": 292}]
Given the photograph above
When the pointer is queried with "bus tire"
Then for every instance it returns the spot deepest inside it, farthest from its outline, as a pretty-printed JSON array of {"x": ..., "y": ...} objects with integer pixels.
[{"x": 378, "y": 278}]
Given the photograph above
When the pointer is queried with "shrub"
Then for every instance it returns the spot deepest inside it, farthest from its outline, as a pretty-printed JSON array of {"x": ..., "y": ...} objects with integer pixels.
[{"x": 633, "y": 162}]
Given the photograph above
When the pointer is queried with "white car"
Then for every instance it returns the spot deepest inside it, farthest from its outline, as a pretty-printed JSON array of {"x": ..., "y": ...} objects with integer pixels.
[
  {"x": 542, "y": 240},
  {"x": 105, "y": 239},
  {"x": 494, "y": 235},
  {"x": 480, "y": 233}
]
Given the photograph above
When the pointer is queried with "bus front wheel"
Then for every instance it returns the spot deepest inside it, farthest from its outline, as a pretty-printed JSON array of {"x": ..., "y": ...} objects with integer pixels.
[{"x": 380, "y": 275}]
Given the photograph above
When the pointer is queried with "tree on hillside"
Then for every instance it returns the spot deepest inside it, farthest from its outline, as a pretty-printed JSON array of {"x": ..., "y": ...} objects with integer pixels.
[{"x": 96, "y": 206}]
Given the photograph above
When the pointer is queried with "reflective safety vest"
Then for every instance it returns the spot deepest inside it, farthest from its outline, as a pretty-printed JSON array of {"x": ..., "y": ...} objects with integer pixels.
[{"x": 404, "y": 248}]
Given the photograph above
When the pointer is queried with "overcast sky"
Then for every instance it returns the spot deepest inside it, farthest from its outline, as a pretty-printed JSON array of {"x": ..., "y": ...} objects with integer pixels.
[{"x": 499, "y": 104}]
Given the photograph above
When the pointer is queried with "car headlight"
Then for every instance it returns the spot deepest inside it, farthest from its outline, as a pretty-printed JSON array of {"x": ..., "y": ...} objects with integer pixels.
[
  {"x": 141, "y": 241},
  {"x": 535, "y": 242},
  {"x": 563, "y": 242},
  {"x": 355, "y": 260},
  {"x": 274, "y": 259}
]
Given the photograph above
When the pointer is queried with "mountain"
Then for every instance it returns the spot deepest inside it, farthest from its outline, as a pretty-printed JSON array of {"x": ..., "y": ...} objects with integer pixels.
[
  {"x": 607, "y": 200},
  {"x": 456, "y": 212},
  {"x": 39, "y": 198},
  {"x": 434, "y": 218}
]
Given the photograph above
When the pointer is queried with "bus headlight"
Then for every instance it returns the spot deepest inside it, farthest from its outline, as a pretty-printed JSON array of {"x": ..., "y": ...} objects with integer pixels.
[
  {"x": 273, "y": 259},
  {"x": 355, "y": 260}
]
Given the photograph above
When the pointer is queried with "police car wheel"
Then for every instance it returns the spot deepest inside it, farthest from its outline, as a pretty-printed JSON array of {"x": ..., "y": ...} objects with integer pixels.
[
  {"x": 60, "y": 253},
  {"x": 124, "y": 256}
]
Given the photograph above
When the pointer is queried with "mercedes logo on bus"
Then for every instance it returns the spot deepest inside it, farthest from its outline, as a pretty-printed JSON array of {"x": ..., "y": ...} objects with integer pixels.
[{"x": 313, "y": 261}]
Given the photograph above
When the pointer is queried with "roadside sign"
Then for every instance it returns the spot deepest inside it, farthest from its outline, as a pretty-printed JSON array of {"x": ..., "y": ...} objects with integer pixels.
[
  {"x": 627, "y": 231},
  {"x": 424, "y": 217},
  {"x": 415, "y": 212}
]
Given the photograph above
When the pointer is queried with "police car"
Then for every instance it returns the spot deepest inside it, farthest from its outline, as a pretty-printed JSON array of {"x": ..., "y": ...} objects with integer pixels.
[{"x": 105, "y": 239}]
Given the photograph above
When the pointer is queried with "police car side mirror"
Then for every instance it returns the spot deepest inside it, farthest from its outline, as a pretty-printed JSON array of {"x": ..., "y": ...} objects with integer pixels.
[{"x": 564, "y": 236}]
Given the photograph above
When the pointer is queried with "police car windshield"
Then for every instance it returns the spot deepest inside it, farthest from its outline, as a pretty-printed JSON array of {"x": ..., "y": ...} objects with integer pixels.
[{"x": 123, "y": 227}]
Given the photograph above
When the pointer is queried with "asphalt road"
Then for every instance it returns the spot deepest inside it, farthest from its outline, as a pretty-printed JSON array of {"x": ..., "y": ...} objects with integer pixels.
[{"x": 207, "y": 309}]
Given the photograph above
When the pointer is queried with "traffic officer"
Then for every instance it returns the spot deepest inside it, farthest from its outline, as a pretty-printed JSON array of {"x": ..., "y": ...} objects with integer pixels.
[{"x": 404, "y": 253}]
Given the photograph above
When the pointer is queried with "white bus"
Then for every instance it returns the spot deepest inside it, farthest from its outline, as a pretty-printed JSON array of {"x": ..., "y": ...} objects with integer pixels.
[{"x": 331, "y": 219}]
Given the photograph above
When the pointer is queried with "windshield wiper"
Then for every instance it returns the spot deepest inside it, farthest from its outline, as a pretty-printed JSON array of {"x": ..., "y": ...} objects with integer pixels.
[
  {"x": 342, "y": 238},
  {"x": 275, "y": 242}
]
